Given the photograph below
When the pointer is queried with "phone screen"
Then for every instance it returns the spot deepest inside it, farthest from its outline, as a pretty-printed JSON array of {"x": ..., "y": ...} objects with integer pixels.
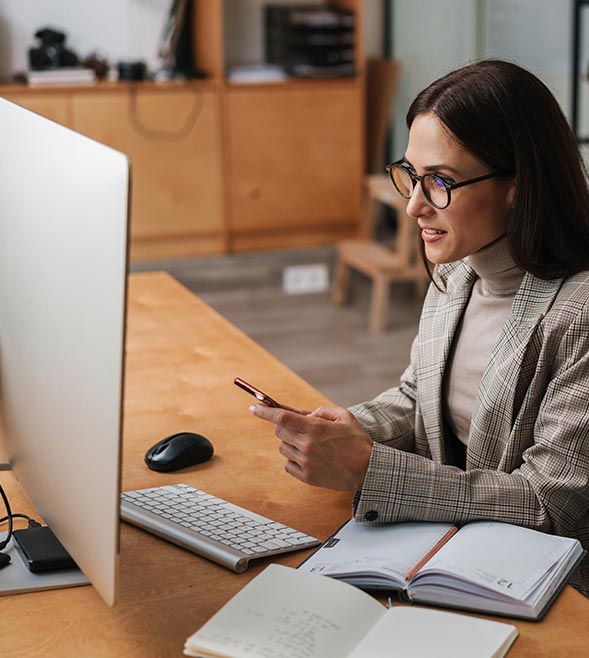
[{"x": 259, "y": 395}]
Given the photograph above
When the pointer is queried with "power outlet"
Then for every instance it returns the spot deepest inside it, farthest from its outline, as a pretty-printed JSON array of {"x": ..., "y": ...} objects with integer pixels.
[{"x": 302, "y": 279}]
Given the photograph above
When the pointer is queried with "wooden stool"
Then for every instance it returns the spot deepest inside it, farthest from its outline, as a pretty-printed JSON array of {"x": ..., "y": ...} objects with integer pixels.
[{"x": 382, "y": 264}]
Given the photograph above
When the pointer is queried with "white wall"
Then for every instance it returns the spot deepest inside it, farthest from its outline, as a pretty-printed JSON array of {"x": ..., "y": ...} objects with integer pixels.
[
  {"x": 119, "y": 29},
  {"x": 537, "y": 34},
  {"x": 430, "y": 38},
  {"x": 130, "y": 29}
]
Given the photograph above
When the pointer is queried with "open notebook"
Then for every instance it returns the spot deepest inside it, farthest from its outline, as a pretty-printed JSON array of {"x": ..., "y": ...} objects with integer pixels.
[
  {"x": 484, "y": 566},
  {"x": 288, "y": 613}
]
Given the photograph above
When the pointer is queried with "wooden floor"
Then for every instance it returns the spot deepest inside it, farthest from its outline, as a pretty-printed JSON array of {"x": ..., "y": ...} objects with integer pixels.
[{"x": 328, "y": 346}]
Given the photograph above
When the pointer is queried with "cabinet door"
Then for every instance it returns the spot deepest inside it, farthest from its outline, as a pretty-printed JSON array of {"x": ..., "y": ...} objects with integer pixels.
[
  {"x": 295, "y": 155},
  {"x": 173, "y": 140},
  {"x": 54, "y": 106}
]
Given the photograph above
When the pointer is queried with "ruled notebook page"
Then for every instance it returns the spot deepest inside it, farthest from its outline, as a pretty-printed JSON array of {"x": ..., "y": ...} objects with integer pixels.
[
  {"x": 391, "y": 549},
  {"x": 504, "y": 558},
  {"x": 412, "y": 632}
]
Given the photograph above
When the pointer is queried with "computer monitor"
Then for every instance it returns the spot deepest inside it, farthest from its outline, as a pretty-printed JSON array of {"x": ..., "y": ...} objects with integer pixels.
[{"x": 63, "y": 260}]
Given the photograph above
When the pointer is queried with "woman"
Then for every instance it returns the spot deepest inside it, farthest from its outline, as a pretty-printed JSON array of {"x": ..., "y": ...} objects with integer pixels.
[{"x": 491, "y": 418}]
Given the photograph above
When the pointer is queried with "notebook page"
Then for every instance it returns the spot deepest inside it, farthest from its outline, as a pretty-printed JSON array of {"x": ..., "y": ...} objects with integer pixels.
[
  {"x": 392, "y": 548},
  {"x": 283, "y": 613},
  {"x": 500, "y": 556},
  {"x": 411, "y": 632}
]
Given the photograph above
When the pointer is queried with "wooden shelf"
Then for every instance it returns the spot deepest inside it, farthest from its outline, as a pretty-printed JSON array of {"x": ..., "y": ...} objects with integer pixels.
[
  {"x": 220, "y": 166},
  {"x": 10, "y": 88},
  {"x": 311, "y": 83}
]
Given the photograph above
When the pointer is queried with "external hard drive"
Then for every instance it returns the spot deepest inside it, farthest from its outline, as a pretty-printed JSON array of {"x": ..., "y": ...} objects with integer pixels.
[{"x": 41, "y": 549}]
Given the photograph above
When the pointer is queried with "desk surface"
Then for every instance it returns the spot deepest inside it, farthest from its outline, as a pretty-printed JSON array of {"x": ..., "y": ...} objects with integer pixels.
[{"x": 181, "y": 361}]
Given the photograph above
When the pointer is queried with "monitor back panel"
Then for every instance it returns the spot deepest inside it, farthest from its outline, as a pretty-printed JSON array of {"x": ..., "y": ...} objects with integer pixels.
[{"x": 63, "y": 257}]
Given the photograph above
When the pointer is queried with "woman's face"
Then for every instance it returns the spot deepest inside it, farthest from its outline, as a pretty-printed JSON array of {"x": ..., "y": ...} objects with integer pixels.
[{"x": 477, "y": 214}]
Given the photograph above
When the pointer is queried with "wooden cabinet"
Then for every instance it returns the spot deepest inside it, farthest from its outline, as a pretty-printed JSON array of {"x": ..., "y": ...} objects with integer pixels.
[
  {"x": 54, "y": 106},
  {"x": 219, "y": 167},
  {"x": 172, "y": 135},
  {"x": 296, "y": 161},
  {"x": 174, "y": 140}
]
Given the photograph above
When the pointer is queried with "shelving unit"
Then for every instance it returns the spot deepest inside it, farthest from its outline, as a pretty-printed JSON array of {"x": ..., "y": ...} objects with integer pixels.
[
  {"x": 580, "y": 11},
  {"x": 220, "y": 167}
]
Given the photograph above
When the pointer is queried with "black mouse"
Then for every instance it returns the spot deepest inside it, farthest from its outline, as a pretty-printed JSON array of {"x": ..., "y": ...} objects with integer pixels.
[{"x": 179, "y": 451}]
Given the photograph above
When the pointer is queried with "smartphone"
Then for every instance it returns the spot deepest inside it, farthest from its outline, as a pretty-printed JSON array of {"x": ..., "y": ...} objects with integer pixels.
[{"x": 259, "y": 395}]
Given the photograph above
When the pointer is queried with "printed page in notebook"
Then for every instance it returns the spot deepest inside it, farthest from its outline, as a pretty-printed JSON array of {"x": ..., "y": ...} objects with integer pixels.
[
  {"x": 505, "y": 558},
  {"x": 389, "y": 549},
  {"x": 283, "y": 613}
]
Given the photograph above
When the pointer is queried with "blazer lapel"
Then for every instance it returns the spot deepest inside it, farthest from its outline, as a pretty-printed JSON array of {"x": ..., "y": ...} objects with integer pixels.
[
  {"x": 494, "y": 406},
  {"x": 438, "y": 328}
]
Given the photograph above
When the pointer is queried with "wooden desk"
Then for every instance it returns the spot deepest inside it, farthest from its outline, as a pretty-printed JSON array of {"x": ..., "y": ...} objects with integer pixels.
[{"x": 181, "y": 361}]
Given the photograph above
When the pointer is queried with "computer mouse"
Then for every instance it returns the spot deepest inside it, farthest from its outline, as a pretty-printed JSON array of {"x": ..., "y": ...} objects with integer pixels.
[{"x": 179, "y": 451}]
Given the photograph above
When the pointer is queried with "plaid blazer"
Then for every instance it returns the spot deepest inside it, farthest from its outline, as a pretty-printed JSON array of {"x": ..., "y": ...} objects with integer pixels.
[{"x": 527, "y": 460}]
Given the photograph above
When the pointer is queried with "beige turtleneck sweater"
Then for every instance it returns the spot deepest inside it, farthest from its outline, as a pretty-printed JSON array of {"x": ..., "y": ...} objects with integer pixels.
[{"x": 484, "y": 316}]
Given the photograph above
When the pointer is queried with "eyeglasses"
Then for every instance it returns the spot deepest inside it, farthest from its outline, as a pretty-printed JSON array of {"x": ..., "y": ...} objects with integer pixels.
[{"x": 436, "y": 189}]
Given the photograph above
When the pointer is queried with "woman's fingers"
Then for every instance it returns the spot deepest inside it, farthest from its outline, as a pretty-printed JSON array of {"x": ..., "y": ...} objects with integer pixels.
[{"x": 327, "y": 447}]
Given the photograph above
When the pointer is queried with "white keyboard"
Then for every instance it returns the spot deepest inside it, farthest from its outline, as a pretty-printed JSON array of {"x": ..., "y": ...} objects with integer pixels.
[{"x": 210, "y": 526}]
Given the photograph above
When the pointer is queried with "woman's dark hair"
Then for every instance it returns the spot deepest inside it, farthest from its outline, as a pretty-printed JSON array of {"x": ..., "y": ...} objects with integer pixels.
[{"x": 508, "y": 119}]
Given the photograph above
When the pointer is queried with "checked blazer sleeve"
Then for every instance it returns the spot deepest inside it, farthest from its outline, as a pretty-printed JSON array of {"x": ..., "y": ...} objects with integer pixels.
[
  {"x": 528, "y": 452},
  {"x": 390, "y": 417}
]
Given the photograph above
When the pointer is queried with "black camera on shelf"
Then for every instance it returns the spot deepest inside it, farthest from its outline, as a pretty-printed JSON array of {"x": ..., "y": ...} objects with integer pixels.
[{"x": 51, "y": 52}]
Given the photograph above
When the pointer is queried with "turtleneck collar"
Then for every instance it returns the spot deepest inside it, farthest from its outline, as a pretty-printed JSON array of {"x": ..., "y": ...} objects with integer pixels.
[{"x": 499, "y": 275}]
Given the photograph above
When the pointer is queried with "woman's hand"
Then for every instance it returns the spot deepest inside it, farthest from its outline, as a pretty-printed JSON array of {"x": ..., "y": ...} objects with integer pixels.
[{"x": 326, "y": 448}]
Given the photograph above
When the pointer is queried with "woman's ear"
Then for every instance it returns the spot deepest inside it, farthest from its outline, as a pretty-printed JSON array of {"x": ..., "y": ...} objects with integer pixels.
[{"x": 511, "y": 194}]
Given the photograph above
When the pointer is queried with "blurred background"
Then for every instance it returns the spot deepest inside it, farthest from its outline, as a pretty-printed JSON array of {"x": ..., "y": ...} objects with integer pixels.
[{"x": 258, "y": 133}]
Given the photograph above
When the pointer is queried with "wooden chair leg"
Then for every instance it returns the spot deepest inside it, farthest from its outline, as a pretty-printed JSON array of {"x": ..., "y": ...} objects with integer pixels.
[
  {"x": 369, "y": 211},
  {"x": 379, "y": 305},
  {"x": 341, "y": 282}
]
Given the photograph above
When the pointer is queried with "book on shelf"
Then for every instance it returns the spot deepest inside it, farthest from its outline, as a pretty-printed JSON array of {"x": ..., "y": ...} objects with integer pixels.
[
  {"x": 256, "y": 73},
  {"x": 485, "y": 566},
  {"x": 62, "y": 76},
  {"x": 289, "y": 613}
]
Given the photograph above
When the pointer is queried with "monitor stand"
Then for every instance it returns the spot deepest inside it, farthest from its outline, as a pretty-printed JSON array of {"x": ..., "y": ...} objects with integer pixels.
[{"x": 16, "y": 578}]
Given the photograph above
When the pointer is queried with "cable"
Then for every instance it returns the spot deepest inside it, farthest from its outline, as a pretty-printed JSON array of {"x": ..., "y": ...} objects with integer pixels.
[
  {"x": 9, "y": 511},
  {"x": 32, "y": 522},
  {"x": 10, "y": 516},
  {"x": 165, "y": 135},
  {"x": 5, "y": 557}
]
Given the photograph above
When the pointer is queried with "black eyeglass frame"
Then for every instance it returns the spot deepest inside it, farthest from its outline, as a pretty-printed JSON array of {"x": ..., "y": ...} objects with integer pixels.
[{"x": 401, "y": 164}]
